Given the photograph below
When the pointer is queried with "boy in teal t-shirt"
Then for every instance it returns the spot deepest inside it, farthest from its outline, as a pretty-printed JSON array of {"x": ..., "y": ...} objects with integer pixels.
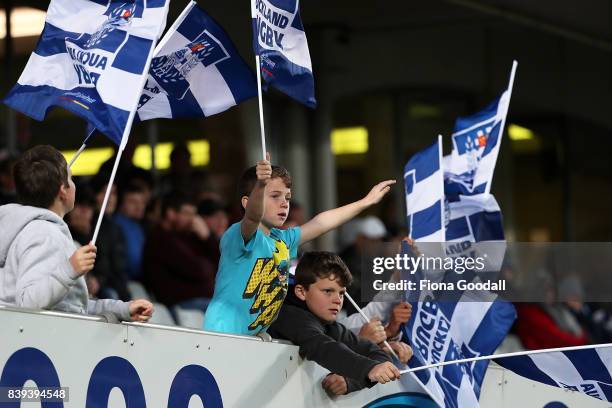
[{"x": 252, "y": 279}]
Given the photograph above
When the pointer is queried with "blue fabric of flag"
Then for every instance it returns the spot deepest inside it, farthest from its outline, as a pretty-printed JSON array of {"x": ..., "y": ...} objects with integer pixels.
[
  {"x": 423, "y": 182},
  {"x": 587, "y": 371},
  {"x": 91, "y": 61},
  {"x": 476, "y": 141},
  {"x": 280, "y": 41},
  {"x": 196, "y": 71}
]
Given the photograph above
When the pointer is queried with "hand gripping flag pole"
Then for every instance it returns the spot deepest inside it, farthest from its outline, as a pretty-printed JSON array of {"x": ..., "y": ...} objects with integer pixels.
[
  {"x": 367, "y": 320},
  {"x": 507, "y": 355}
]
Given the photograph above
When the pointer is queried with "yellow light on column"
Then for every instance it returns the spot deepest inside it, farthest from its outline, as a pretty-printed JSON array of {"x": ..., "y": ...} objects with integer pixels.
[
  {"x": 517, "y": 133},
  {"x": 89, "y": 161},
  {"x": 25, "y": 22},
  {"x": 353, "y": 140}
]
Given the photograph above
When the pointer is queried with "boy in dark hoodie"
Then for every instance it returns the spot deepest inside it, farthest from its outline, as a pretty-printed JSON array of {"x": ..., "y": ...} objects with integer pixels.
[
  {"x": 40, "y": 268},
  {"x": 308, "y": 319}
]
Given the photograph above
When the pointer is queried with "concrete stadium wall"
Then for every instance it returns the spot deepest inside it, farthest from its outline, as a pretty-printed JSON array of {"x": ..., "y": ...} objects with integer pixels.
[{"x": 143, "y": 365}]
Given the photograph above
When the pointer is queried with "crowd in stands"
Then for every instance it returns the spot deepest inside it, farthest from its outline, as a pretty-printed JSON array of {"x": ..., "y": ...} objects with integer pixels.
[{"x": 160, "y": 239}]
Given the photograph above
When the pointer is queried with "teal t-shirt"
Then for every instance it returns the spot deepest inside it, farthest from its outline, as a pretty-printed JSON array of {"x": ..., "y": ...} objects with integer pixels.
[{"x": 252, "y": 280}]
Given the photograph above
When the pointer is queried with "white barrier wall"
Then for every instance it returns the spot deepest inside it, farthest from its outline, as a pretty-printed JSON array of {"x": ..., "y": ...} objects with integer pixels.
[{"x": 141, "y": 365}]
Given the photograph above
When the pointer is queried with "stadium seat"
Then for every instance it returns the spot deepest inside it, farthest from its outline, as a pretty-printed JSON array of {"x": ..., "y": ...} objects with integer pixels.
[
  {"x": 162, "y": 315},
  {"x": 190, "y": 318},
  {"x": 138, "y": 291}
]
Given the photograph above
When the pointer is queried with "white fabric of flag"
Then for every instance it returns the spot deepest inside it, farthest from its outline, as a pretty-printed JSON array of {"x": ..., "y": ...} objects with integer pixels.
[
  {"x": 476, "y": 141},
  {"x": 196, "y": 71},
  {"x": 424, "y": 186},
  {"x": 90, "y": 59},
  {"x": 587, "y": 371},
  {"x": 280, "y": 41}
]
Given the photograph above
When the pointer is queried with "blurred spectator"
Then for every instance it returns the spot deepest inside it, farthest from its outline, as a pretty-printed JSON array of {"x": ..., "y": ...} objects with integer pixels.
[
  {"x": 127, "y": 172},
  {"x": 79, "y": 220},
  {"x": 549, "y": 324},
  {"x": 296, "y": 217},
  {"x": 179, "y": 177},
  {"x": 152, "y": 214},
  {"x": 591, "y": 316},
  {"x": 111, "y": 258},
  {"x": 364, "y": 239},
  {"x": 7, "y": 183},
  {"x": 181, "y": 256},
  {"x": 214, "y": 214},
  {"x": 129, "y": 217}
]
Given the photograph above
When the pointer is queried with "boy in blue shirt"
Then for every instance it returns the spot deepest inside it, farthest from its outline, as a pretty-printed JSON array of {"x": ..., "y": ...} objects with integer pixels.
[{"x": 252, "y": 279}]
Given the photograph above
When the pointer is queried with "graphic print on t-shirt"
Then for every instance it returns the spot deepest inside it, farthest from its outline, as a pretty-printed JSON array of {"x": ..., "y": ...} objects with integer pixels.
[{"x": 268, "y": 286}]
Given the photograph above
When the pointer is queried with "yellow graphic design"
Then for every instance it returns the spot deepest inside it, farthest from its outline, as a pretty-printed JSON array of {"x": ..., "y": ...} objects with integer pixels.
[{"x": 268, "y": 285}]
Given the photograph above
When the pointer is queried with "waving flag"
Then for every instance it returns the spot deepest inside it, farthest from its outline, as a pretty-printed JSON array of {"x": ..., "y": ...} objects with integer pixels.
[
  {"x": 423, "y": 179},
  {"x": 473, "y": 218},
  {"x": 467, "y": 323},
  {"x": 90, "y": 59},
  {"x": 196, "y": 71},
  {"x": 586, "y": 371},
  {"x": 476, "y": 141},
  {"x": 280, "y": 41}
]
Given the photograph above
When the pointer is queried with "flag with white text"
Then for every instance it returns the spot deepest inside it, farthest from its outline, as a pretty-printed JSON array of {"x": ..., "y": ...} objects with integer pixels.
[
  {"x": 280, "y": 41},
  {"x": 90, "y": 59}
]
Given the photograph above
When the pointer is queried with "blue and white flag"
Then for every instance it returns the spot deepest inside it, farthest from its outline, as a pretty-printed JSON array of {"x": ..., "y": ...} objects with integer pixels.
[
  {"x": 423, "y": 180},
  {"x": 196, "y": 71},
  {"x": 90, "y": 59},
  {"x": 280, "y": 41},
  {"x": 476, "y": 142},
  {"x": 473, "y": 218},
  {"x": 444, "y": 331},
  {"x": 473, "y": 323},
  {"x": 586, "y": 371}
]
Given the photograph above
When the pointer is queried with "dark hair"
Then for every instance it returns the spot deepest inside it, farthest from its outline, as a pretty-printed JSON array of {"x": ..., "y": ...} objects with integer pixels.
[
  {"x": 6, "y": 165},
  {"x": 84, "y": 195},
  {"x": 130, "y": 188},
  {"x": 99, "y": 182},
  {"x": 249, "y": 178},
  {"x": 178, "y": 150},
  {"x": 39, "y": 174},
  {"x": 320, "y": 265},
  {"x": 210, "y": 206},
  {"x": 175, "y": 201}
]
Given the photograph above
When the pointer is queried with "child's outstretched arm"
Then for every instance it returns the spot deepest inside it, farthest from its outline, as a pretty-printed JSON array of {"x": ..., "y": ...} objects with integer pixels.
[
  {"x": 328, "y": 220},
  {"x": 255, "y": 205}
]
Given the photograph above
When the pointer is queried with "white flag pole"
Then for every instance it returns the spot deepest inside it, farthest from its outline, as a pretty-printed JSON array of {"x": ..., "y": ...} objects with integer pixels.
[
  {"x": 431, "y": 394},
  {"x": 174, "y": 25},
  {"x": 261, "y": 115},
  {"x": 83, "y": 146},
  {"x": 77, "y": 154},
  {"x": 506, "y": 355},
  {"x": 503, "y": 120},
  {"x": 259, "y": 98},
  {"x": 124, "y": 137},
  {"x": 367, "y": 320}
]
